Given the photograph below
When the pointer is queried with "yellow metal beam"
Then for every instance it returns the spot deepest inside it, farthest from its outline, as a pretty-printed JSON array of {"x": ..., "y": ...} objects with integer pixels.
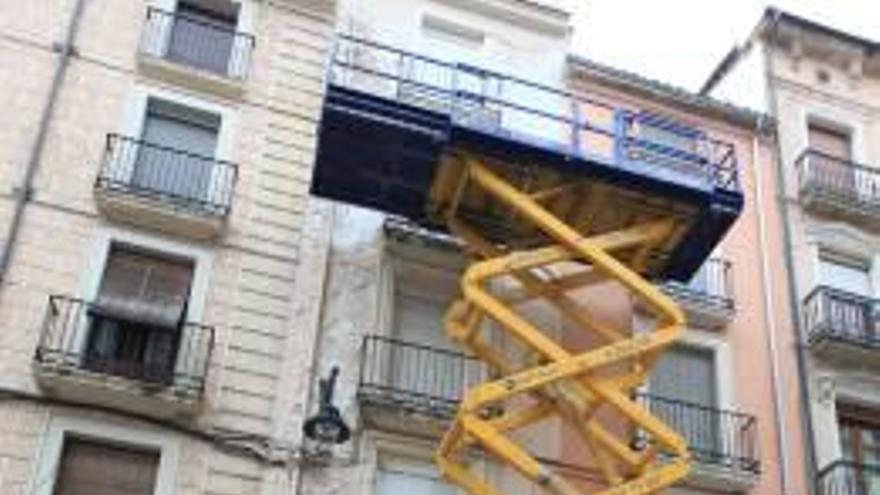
[{"x": 556, "y": 381}]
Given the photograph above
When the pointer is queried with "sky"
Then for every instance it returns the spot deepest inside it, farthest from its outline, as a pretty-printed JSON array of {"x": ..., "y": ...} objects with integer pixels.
[{"x": 681, "y": 41}]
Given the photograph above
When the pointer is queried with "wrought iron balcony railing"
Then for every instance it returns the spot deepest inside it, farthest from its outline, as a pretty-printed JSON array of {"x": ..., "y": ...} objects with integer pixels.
[
  {"x": 415, "y": 377},
  {"x": 712, "y": 284},
  {"x": 835, "y": 315},
  {"x": 840, "y": 183},
  {"x": 717, "y": 437},
  {"x": 481, "y": 99},
  {"x": 197, "y": 43},
  {"x": 848, "y": 478},
  {"x": 193, "y": 183},
  {"x": 82, "y": 336}
]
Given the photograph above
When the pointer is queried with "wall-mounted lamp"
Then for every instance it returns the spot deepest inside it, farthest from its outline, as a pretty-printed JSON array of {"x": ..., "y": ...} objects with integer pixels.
[{"x": 327, "y": 428}]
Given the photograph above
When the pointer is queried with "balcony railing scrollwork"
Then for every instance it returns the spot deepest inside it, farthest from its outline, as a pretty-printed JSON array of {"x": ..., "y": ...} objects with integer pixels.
[
  {"x": 834, "y": 315},
  {"x": 848, "y": 478},
  {"x": 837, "y": 184}
]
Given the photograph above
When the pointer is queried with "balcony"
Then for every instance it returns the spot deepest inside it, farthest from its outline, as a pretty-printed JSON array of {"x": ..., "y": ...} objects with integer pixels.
[
  {"x": 843, "y": 327},
  {"x": 164, "y": 188},
  {"x": 724, "y": 443},
  {"x": 408, "y": 380},
  {"x": 85, "y": 354},
  {"x": 413, "y": 388},
  {"x": 848, "y": 478},
  {"x": 839, "y": 188},
  {"x": 194, "y": 52},
  {"x": 707, "y": 298}
]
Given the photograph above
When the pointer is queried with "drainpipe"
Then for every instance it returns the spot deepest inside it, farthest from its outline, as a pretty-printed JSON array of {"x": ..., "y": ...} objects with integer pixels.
[
  {"x": 769, "y": 319},
  {"x": 794, "y": 300},
  {"x": 24, "y": 191}
]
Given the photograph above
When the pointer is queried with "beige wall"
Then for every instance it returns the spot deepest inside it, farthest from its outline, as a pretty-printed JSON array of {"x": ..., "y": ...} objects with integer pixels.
[
  {"x": 260, "y": 371},
  {"x": 848, "y": 99}
]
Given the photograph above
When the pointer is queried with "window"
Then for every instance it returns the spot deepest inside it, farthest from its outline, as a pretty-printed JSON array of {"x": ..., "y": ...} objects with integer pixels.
[
  {"x": 203, "y": 34},
  {"x": 177, "y": 157},
  {"x": 409, "y": 477},
  {"x": 830, "y": 141},
  {"x": 860, "y": 445},
  {"x": 844, "y": 274},
  {"x": 138, "y": 314},
  {"x": 684, "y": 392},
  {"x": 92, "y": 468},
  {"x": 423, "y": 363}
]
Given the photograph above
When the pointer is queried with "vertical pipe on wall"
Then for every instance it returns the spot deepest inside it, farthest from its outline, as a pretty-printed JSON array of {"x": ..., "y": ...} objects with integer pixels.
[
  {"x": 770, "y": 322},
  {"x": 788, "y": 257},
  {"x": 23, "y": 192}
]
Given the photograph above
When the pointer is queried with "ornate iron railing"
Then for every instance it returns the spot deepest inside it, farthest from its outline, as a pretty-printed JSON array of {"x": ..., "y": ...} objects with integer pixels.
[{"x": 833, "y": 314}]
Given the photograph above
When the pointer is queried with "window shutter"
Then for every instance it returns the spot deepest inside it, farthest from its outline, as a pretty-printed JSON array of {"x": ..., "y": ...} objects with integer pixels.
[
  {"x": 830, "y": 141},
  {"x": 145, "y": 288},
  {"x": 92, "y": 468},
  {"x": 686, "y": 374}
]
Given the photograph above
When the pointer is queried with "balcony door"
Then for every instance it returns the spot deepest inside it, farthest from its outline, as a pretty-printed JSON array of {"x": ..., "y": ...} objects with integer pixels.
[
  {"x": 848, "y": 311},
  {"x": 176, "y": 156},
  {"x": 684, "y": 392},
  {"x": 833, "y": 166},
  {"x": 92, "y": 468},
  {"x": 860, "y": 447},
  {"x": 426, "y": 363},
  {"x": 138, "y": 315},
  {"x": 203, "y": 34}
]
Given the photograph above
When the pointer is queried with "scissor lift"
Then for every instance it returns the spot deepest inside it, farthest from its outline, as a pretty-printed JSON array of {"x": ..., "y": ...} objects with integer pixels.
[{"x": 551, "y": 194}]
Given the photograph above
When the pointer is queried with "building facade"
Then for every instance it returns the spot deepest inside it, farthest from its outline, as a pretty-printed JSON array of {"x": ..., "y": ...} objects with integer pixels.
[
  {"x": 154, "y": 209},
  {"x": 389, "y": 281},
  {"x": 821, "y": 85}
]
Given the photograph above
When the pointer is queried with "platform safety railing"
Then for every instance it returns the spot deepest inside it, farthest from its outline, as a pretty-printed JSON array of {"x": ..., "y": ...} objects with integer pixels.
[{"x": 528, "y": 111}]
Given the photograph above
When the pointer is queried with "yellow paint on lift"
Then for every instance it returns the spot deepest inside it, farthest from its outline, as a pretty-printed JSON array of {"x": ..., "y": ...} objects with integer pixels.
[{"x": 555, "y": 381}]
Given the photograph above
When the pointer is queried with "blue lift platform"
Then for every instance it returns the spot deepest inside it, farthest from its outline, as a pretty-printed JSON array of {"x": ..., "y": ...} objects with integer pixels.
[{"x": 393, "y": 121}]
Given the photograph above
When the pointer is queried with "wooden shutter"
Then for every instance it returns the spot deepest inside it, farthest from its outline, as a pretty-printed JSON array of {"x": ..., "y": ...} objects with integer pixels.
[
  {"x": 92, "y": 468},
  {"x": 145, "y": 288},
  {"x": 830, "y": 141}
]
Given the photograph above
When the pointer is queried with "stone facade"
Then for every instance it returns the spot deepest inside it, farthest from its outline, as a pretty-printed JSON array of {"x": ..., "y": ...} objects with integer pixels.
[{"x": 260, "y": 370}]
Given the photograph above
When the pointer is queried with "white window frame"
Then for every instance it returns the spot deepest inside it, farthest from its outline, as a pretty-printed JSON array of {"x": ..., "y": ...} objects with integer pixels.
[
  {"x": 102, "y": 244},
  {"x": 245, "y": 24},
  {"x": 132, "y": 126},
  {"x": 65, "y": 426},
  {"x": 844, "y": 240}
]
